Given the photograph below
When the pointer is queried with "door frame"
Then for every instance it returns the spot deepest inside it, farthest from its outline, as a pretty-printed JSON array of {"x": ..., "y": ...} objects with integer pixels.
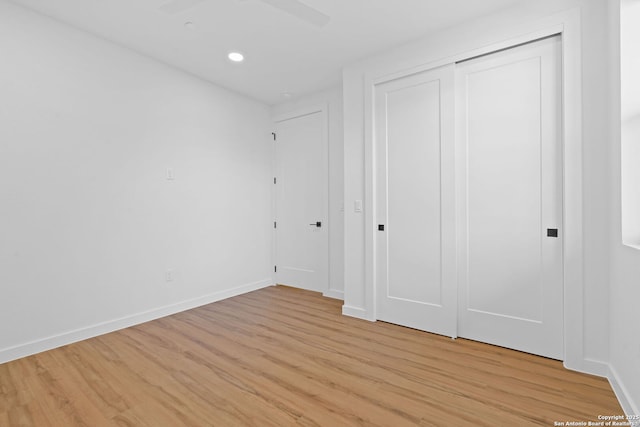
[
  {"x": 568, "y": 25},
  {"x": 323, "y": 110}
]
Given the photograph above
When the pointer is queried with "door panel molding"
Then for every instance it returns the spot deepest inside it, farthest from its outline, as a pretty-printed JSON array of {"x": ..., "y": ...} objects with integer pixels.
[
  {"x": 415, "y": 266},
  {"x": 508, "y": 178}
]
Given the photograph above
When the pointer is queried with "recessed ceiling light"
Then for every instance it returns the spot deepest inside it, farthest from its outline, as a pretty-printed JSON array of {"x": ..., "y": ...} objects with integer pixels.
[
  {"x": 236, "y": 57},
  {"x": 287, "y": 95}
]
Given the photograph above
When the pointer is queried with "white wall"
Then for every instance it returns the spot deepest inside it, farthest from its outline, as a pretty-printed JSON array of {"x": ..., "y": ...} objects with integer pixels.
[
  {"x": 593, "y": 351},
  {"x": 88, "y": 221},
  {"x": 625, "y": 260},
  {"x": 333, "y": 99}
]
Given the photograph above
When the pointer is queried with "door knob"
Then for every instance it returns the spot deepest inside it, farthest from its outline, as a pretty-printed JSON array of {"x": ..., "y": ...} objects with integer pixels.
[{"x": 317, "y": 224}]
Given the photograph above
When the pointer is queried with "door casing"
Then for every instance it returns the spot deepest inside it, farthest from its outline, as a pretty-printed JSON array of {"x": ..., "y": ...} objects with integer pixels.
[{"x": 568, "y": 24}]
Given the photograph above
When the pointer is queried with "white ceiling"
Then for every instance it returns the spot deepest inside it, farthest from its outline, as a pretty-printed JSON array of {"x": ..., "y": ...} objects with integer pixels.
[{"x": 283, "y": 53}]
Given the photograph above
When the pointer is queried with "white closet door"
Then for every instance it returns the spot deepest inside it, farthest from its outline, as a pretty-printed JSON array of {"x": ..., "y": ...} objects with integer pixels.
[
  {"x": 302, "y": 203},
  {"x": 415, "y": 253},
  {"x": 509, "y": 176}
]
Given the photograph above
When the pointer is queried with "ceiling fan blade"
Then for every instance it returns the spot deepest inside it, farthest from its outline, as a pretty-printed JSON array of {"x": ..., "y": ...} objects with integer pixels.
[
  {"x": 173, "y": 7},
  {"x": 301, "y": 11}
]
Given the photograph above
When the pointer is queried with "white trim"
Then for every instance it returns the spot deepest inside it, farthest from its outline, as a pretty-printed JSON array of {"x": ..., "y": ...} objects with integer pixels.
[
  {"x": 274, "y": 194},
  {"x": 632, "y": 245},
  {"x": 568, "y": 24},
  {"x": 494, "y": 47},
  {"x": 370, "y": 200},
  {"x": 323, "y": 109},
  {"x": 332, "y": 293},
  {"x": 573, "y": 256},
  {"x": 301, "y": 112},
  {"x": 70, "y": 337},
  {"x": 624, "y": 397},
  {"x": 357, "y": 312},
  {"x": 594, "y": 367}
]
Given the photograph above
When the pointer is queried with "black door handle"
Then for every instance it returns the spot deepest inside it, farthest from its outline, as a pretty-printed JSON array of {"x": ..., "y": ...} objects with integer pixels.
[{"x": 317, "y": 224}]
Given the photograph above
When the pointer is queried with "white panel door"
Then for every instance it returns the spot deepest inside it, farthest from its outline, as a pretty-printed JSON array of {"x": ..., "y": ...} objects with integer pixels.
[
  {"x": 415, "y": 253},
  {"x": 301, "y": 205},
  {"x": 509, "y": 175}
]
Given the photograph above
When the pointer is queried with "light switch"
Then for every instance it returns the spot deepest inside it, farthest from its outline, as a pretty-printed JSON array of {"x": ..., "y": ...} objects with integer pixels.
[
  {"x": 170, "y": 174},
  {"x": 357, "y": 206}
]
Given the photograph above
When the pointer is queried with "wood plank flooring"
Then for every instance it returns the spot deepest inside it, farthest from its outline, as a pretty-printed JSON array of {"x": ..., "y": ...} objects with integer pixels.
[{"x": 286, "y": 357}]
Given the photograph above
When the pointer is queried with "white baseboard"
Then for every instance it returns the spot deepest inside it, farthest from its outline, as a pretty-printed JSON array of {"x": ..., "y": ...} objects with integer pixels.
[
  {"x": 331, "y": 293},
  {"x": 33, "y": 347},
  {"x": 589, "y": 366},
  {"x": 356, "y": 312},
  {"x": 624, "y": 397}
]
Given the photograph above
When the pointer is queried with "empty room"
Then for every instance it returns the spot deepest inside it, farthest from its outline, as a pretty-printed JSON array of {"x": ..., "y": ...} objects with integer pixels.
[{"x": 319, "y": 213}]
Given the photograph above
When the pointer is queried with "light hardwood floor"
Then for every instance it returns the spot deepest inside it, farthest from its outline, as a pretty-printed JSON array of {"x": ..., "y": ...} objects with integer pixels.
[{"x": 286, "y": 357}]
